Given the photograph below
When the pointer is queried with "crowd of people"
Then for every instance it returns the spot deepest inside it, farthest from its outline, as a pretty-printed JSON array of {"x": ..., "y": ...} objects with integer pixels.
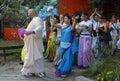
[{"x": 79, "y": 39}]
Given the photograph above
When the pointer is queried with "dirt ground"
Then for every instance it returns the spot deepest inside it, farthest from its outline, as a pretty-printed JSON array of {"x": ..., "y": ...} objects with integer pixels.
[{"x": 10, "y": 71}]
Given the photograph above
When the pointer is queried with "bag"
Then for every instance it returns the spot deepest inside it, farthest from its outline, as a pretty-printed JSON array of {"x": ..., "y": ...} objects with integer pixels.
[
  {"x": 94, "y": 33},
  {"x": 106, "y": 37},
  {"x": 115, "y": 28},
  {"x": 101, "y": 38}
]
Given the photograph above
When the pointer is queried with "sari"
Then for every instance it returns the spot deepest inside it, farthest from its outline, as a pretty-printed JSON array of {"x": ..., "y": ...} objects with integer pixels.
[
  {"x": 51, "y": 47},
  {"x": 66, "y": 52}
]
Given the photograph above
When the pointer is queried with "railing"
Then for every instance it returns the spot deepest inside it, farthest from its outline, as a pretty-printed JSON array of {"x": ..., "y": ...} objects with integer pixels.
[{"x": 5, "y": 54}]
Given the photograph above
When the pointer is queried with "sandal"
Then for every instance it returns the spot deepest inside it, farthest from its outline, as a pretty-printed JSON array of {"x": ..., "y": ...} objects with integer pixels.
[{"x": 63, "y": 76}]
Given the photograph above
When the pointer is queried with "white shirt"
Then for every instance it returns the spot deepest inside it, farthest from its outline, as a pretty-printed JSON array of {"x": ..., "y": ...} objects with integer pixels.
[
  {"x": 118, "y": 44},
  {"x": 115, "y": 27},
  {"x": 95, "y": 23},
  {"x": 87, "y": 23}
]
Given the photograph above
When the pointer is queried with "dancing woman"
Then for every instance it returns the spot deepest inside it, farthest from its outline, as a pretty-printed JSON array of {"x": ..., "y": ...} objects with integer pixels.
[
  {"x": 57, "y": 58},
  {"x": 51, "y": 46},
  {"x": 103, "y": 38},
  {"x": 114, "y": 31},
  {"x": 85, "y": 56},
  {"x": 66, "y": 45}
]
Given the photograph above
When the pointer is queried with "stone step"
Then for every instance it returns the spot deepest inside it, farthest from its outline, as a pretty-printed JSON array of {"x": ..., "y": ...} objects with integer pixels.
[{"x": 82, "y": 78}]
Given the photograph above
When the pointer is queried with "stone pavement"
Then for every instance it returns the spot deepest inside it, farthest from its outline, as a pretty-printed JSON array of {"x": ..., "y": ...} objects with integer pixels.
[{"x": 10, "y": 71}]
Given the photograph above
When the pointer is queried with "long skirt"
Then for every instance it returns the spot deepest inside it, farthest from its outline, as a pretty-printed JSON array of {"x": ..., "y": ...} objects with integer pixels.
[
  {"x": 51, "y": 49},
  {"x": 85, "y": 56},
  {"x": 57, "y": 58},
  {"x": 104, "y": 50},
  {"x": 66, "y": 63}
]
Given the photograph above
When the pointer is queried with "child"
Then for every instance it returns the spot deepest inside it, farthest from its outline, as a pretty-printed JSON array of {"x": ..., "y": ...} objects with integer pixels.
[{"x": 21, "y": 32}]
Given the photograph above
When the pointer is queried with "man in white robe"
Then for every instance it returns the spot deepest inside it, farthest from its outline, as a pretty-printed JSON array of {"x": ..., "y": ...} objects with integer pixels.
[{"x": 33, "y": 59}]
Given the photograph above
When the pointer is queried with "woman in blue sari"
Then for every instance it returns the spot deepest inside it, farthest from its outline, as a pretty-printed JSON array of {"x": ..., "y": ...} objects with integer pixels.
[{"x": 66, "y": 47}]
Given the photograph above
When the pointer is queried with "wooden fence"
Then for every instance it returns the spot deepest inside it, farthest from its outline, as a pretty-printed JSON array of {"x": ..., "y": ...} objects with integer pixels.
[{"x": 5, "y": 54}]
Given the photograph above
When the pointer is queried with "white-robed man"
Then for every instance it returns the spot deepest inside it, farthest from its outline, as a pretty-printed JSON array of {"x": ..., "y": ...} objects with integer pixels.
[{"x": 33, "y": 59}]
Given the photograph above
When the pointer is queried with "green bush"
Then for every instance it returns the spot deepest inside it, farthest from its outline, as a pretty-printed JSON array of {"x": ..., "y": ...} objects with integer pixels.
[
  {"x": 104, "y": 76},
  {"x": 94, "y": 68},
  {"x": 117, "y": 70}
]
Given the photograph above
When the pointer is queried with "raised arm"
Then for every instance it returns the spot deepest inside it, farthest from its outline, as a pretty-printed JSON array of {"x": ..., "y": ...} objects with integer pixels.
[
  {"x": 98, "y": 14},
  {"x": 74, "y": 24},
  {"x": 91, "y": 17},
  {"x": 94, "y": 13}
]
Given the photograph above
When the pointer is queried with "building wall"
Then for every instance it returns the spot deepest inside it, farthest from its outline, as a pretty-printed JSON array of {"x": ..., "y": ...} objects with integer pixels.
[
  {"x": 71, "y": 6},
  {"x": 11, "y": 33}
]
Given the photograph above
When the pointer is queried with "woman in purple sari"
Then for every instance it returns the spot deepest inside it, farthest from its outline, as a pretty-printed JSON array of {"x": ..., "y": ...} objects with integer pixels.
[{"x": 85, "y": 56}]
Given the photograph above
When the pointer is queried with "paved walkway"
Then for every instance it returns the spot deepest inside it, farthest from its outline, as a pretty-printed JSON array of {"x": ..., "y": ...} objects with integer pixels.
[{"x": 10, "y": 71}]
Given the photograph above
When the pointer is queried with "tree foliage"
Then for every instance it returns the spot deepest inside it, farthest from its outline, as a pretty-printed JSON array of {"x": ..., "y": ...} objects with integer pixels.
[{"x": 17, "y": 9}]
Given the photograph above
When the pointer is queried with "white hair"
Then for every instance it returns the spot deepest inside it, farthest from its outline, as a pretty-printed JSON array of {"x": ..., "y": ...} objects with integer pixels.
[{"x": 32, "y": 11}]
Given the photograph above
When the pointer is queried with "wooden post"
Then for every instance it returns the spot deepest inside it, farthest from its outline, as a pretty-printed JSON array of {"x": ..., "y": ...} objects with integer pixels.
[{"x": 4, "y": 52}]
